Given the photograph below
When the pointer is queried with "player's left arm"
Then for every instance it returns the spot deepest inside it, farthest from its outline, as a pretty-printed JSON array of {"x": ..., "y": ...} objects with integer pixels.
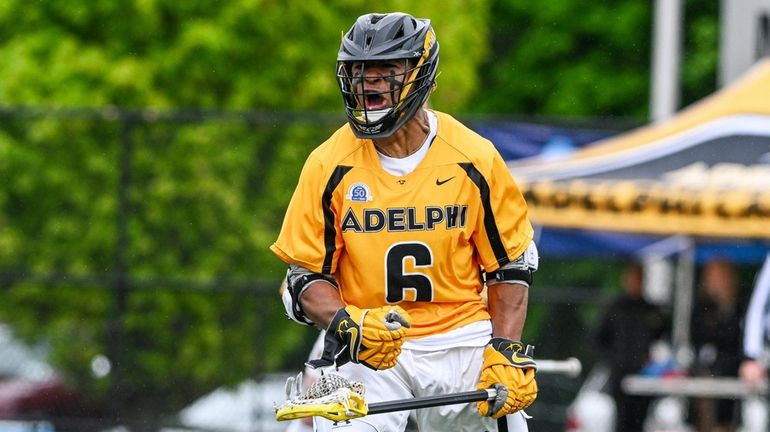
[
  {"x": 510, "y": 257},
  {"x": 508, "y": 294},
  {"x": 508, "y": 363}
]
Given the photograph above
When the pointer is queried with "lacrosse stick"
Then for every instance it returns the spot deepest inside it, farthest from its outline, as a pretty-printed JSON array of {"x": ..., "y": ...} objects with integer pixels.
[
  {"x": 335, "y": 398},
  {"x": 331, "y": 396}
]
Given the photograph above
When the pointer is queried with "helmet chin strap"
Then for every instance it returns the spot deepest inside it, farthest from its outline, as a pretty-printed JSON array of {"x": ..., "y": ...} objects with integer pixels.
[{"x": 374, "y": 115}]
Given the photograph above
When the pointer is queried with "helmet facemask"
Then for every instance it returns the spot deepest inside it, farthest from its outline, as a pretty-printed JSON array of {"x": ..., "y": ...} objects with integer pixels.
[{"x": 376, "y": 102}]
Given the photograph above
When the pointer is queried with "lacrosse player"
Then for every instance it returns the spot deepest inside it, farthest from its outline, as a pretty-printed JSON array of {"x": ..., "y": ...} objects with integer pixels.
[{"x": 396, "y": 224}]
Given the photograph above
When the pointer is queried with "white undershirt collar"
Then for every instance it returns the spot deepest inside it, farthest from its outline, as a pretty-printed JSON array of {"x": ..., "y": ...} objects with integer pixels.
[{"x": 403, "y": 166}]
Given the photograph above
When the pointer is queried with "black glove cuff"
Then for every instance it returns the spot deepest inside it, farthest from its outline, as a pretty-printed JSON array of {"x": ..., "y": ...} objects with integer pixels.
[
  {"x": 341, "y": 343},
  {"x": 515, "y": 352}
]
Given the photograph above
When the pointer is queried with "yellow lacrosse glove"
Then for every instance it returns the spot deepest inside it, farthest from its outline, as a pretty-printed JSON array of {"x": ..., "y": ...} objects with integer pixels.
[
  {"x": 372, "y": 337},
  {"x": 510, "y": 369}
]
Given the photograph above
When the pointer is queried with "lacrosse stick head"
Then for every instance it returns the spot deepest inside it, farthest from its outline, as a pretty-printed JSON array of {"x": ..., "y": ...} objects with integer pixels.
[{"x": 331, "y": 396}]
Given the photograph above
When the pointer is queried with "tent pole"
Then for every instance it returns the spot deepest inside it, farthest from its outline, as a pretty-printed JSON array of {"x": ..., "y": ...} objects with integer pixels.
[
  {"x": 666, "y": 59},
  {"x": 683, "y": 303}
]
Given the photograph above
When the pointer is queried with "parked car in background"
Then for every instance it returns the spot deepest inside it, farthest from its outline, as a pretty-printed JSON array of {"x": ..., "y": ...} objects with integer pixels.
[
  {"x": 247, "y": 407},
  {"x": 26, "y": 426},
  {"x": 30, "y": 388}
]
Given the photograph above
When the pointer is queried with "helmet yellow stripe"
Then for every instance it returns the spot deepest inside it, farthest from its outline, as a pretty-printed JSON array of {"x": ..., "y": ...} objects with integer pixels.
[{"x": 430, "y": 40}]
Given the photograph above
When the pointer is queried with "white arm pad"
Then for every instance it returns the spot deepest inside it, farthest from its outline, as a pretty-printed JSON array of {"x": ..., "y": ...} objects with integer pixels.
[
  {"x": 530, "y": 259},
  {"x": 298, "y": 279},
  {"x": 523, "y": 266}
]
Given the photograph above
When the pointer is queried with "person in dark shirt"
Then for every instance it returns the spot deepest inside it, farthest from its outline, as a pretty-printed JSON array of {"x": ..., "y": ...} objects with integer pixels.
[
  {"x": 626, "y": 331},
  {"x": 756, "y": 331},
  {"x": 716, "y": 337}
]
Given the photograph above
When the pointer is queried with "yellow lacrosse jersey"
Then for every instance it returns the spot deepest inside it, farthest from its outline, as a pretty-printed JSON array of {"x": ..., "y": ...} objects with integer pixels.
[{"x": 419, "y": 240}]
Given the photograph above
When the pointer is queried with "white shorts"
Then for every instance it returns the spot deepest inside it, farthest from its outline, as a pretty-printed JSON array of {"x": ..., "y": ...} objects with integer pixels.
[{"x": 419, "y": 374}]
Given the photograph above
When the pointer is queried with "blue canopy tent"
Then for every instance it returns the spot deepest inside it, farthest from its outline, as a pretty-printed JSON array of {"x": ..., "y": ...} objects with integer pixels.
[
  {"x": 575, "y": 243},
  {"x": 695, "y": 186},
  {"x": 517, "y": 141},
  {"x": 704, "y": 173}
]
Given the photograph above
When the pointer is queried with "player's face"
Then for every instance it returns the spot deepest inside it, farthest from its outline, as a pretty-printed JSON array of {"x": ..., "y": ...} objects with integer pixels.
[{"x": 379, "y": 83}]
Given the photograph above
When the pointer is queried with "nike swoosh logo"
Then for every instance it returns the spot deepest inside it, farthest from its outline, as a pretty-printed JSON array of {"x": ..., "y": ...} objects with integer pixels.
[
  {"x": 353, "y": 343},
  {"x": 521, "y": 360},
  {"x": 440, "y": 182}
]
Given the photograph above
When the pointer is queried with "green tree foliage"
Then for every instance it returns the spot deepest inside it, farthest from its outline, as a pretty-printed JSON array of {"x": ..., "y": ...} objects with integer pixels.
[
  {"x": 204, "y": 198},
  {"x": 701, "y": 49},
  {"x": 570, "y": 59},
  {"x": 566, "y": 59}
]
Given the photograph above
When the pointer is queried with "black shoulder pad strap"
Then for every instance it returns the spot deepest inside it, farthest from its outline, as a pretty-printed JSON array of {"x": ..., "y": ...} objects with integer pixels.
[{"x": 510, "y": 275}]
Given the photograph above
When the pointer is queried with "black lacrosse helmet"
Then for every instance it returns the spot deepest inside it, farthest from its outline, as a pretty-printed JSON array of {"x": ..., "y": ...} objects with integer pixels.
[{"x": 379, "y": 37}]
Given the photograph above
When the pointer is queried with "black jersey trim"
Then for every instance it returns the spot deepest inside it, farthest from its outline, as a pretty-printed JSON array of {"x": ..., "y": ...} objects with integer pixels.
[
  {"x": 490, "y": 224},
  {"x": 330, "y": 232}
]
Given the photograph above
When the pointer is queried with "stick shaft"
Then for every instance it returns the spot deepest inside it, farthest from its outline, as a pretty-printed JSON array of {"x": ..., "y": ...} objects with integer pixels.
[
  {"x": 570, "y": 367},
  {"x": 431, "y": 401}
]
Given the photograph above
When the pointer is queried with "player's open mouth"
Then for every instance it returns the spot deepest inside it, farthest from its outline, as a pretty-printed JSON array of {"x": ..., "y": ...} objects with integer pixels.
[{"x": 375, "y": 101}]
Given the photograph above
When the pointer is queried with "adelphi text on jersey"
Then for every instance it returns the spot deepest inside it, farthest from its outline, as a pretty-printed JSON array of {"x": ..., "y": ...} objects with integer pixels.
[{"x": 404, "y": 218}]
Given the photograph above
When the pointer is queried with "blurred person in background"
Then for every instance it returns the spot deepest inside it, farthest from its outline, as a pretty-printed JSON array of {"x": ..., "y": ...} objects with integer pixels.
[
  {"x": 756, "y": 358},
  {"x": 627, "y": 330},
  {"x": 716, "y": 338},
  {"x": 395, "y": 222},
  {"x": 756, "y": 334}
]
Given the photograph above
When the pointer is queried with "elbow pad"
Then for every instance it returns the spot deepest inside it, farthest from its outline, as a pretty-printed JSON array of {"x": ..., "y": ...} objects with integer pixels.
[
  {"x": 297, "y": 281},
  {"x": 519, "y": 270}
]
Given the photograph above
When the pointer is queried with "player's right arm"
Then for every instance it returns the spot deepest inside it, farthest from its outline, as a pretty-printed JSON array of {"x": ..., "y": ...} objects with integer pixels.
[
  {"x": 321, "y": 302},
  {"x": 310, "y": 241},
  {"x": 310, "y": 298},
  {"x": 372, "y": 337}
]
